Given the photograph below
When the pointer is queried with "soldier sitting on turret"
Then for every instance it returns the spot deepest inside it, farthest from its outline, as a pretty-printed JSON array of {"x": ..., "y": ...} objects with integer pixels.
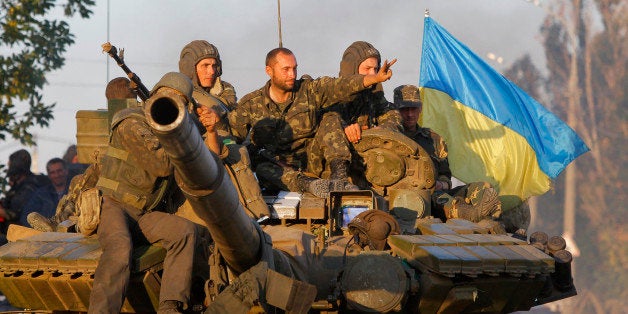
[
  {"x": 283, "y": 119},
  {"x": 137, "y": 182},
  {"x": 474, "y": 201},
  {"x": 369, "y": 108}
]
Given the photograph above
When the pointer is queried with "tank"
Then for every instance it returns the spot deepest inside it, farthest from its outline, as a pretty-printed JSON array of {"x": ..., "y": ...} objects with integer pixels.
[{"x": 312, "y": 249}]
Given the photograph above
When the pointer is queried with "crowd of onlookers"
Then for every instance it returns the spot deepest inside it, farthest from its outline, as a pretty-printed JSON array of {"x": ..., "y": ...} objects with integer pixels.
[{"x": 30, "y": 192}]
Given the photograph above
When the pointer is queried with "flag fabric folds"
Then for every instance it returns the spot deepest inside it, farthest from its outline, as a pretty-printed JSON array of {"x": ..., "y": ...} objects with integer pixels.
[{"x": 494, "y": 131}]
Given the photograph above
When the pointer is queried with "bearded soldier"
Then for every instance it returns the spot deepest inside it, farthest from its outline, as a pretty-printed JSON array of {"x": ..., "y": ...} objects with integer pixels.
[{"x": 284, "y": 120}]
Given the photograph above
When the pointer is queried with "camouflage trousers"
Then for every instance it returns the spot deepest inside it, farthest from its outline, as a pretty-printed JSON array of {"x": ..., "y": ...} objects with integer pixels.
[
  {"x": 329, "y": 143},
  {"x": 121, "y": 228}
]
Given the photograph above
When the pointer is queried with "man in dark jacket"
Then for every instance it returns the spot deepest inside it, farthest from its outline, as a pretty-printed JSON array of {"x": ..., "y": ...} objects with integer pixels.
[
  {"x": 45, "y": 199},
  {"x": 23, "y": 183}
]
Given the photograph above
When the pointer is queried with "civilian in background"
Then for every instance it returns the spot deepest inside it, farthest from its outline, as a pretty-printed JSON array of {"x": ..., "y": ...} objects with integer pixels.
[
  {"x": 45, "y": 199},
  {"x": 71, "y": 160},
  {"x": 23, "y": 183}
]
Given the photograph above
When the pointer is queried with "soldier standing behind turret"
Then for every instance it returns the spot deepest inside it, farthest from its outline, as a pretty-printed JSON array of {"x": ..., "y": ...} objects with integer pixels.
[
  {"x": 200, "y": 61},
  {"x": 474, "y": 201}
]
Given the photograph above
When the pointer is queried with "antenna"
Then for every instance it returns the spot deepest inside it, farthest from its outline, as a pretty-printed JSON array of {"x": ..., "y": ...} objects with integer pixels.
[{"x": 279, "y": 22}]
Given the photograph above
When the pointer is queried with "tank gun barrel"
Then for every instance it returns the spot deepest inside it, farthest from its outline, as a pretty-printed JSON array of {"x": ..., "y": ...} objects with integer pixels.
[{"x": 204, "y": 181}]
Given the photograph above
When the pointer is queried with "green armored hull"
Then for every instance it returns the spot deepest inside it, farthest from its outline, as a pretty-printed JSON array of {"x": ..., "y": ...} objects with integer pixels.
[
  {"x": 54, "y": 271},
  {"x": 307, "y": 246}
]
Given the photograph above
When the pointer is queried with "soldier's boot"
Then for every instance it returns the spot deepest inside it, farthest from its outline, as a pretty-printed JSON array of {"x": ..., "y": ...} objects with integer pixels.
[
  {"x": 485, "y": 198},
  {"x": 457, "y": 208},
  {"x": 316, "y": 186},
  {"x": 340, "y": 173},
  {"x": 170, "y": 307},
  {"x": 39, "y": 222}
]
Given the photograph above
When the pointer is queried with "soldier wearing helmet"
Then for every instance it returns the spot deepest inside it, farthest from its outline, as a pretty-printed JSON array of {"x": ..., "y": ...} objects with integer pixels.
[
  {"x": 370, "y": 108},
  {"x": 200, "y": 61}
]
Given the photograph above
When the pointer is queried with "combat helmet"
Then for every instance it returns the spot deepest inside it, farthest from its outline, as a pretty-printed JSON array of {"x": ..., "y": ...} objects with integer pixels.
[{"x": 355, "y": 54}]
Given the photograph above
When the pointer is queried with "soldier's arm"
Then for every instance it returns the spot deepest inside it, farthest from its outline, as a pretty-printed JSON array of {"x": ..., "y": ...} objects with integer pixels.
[
  {"x": 383, "y": 75},
  {"x": 141, "y": 144},
  {"x": 388, "y": 116},
  {"x": 329, "y": 91},
  {"x": 209, "y": 119},
  {"x": 228, "y": 95},
  {"x": 240, "y": 117}
]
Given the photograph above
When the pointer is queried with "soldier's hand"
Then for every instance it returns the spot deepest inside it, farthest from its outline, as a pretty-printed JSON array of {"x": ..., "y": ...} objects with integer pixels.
[
  {"x": 354, "y": 132},
  {"x": 208, "y": 117},
  {"x": 385, "y": 73}
]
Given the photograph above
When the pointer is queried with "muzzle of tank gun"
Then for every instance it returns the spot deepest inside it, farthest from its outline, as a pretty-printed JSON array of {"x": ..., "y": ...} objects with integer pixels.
[{"x": 203, "y": 180}]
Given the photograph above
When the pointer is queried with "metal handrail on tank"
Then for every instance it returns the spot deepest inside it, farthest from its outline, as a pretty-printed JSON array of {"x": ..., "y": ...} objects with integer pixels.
[{"x": 203, "y": 180}]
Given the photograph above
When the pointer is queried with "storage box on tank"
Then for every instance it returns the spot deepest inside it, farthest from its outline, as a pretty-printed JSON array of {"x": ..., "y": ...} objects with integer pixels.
[{"x": 92, "y": 134}]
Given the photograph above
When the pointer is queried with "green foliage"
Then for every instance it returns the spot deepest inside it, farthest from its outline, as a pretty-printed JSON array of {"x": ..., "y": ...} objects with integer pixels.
[{"x": 31, "y": 45}]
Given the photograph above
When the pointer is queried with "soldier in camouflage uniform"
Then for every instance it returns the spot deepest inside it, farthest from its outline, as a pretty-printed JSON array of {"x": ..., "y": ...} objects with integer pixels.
[
  {"x": 137, "y": 183},
  {"x": 200, "y": 61},
  {"x": 283, "y": 118},
  {"x": 475, "y": 201},
  {"x": 369, "y": 109}
]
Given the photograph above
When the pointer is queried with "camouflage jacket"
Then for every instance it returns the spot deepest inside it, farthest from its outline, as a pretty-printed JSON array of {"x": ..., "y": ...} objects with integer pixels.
[
  {"x": 286, "y": 129},
  {"x": 370, "y": 108},
  {"x": 435, "y": 146},
  {"x": 135, "y": 169},
  {"x": 225, "y": 92}
]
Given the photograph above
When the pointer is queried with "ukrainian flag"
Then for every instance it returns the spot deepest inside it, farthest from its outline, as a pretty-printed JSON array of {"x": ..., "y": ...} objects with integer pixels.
[{"x": 495, "y": 132}]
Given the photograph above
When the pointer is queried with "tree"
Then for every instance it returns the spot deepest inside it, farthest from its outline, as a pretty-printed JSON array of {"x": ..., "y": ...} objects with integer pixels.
[
  {"x": 587, "y": 56},
  {"x": 31, "y": 45}
]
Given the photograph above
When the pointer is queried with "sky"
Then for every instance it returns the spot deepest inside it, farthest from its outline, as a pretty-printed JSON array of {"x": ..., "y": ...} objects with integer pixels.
[{"x": 153, "y": 33}]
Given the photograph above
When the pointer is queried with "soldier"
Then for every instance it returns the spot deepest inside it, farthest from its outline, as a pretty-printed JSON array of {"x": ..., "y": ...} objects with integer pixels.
[
  {"x": 200, "y": 61},
  {"x": 283, "y": 118},
  {"x": 136, "y": 182},
  {"x": 475, "y": 201},
  {"x": 369, "y": 108}
]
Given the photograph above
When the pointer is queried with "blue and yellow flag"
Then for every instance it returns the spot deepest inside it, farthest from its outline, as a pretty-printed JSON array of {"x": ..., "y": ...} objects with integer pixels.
[{"x": 495, "y": 132}]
